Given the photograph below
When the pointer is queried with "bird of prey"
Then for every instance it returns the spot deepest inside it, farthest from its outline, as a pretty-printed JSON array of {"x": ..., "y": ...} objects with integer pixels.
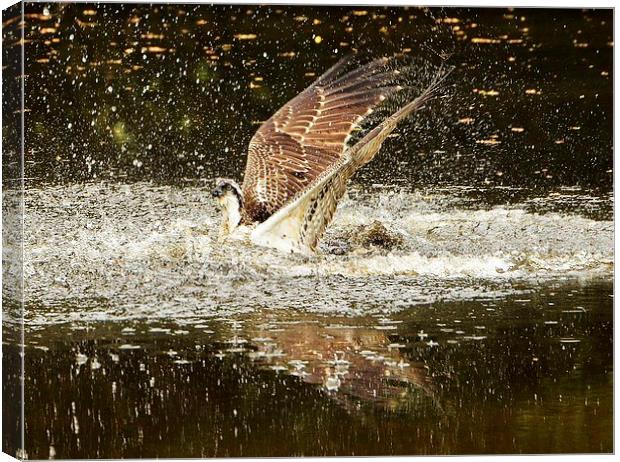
[{"x": 299, "y": 161}]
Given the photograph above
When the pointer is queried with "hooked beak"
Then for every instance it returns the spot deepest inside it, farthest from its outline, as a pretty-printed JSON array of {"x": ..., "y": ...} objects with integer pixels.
[{"x": 216, "y": 192}]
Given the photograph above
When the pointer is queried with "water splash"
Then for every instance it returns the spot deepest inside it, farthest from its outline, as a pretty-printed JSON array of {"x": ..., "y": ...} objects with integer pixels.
[{"x": 144, "y": 251}]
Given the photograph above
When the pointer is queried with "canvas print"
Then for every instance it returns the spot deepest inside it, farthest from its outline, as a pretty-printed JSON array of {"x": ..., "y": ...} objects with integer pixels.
[{"x": 283, "y": 230}]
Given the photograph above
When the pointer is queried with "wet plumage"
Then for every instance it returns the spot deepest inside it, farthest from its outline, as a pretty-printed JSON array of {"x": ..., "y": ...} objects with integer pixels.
[{"x": 299, "y": 161}]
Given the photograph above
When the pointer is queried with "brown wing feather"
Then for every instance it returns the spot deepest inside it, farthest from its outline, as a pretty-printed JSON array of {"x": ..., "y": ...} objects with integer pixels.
[
  {"x": 309, "y": 134},
  {"x": 301, "y": 223}
]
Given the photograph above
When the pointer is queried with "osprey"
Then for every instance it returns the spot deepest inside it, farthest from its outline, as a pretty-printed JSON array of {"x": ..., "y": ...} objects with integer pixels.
[{"x": 299, "y": 164}]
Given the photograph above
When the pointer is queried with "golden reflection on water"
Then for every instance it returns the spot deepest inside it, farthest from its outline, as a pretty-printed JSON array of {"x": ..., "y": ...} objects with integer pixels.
[{"x": 169, "y": 43}]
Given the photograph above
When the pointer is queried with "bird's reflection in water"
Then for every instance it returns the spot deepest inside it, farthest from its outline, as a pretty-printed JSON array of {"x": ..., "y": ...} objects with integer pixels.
[
  {"x": 352, "y": 363},
  {"x": 280, "y": 382}
]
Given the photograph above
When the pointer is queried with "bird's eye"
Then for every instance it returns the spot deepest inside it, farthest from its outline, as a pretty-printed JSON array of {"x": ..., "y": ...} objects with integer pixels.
[{"x": 228, "y": 187}]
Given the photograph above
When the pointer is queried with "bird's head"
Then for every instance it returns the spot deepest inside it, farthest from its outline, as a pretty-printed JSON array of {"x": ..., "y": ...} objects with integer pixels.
[
  {"x": 226, "y": 190},
  {"x": 230, "y": 199}
]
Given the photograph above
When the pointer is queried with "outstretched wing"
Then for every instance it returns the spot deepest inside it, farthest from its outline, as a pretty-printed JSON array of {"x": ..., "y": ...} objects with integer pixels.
[
  {"x": 298, "y": 226},
  {"x": 309, "y": 134}
]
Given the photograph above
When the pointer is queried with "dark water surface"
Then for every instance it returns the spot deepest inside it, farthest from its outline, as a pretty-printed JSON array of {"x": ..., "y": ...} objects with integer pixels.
[
  {"x": 481, "y": 321},
  {"x": 519, "y": 375},
  {"x": 172, "y": 92}
]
